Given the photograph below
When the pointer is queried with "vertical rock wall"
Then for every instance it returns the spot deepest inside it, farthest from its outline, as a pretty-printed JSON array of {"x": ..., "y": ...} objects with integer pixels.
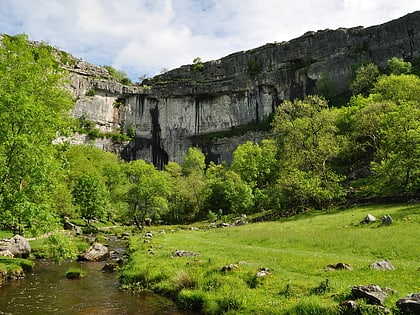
[{"x": 171, "y": 111}]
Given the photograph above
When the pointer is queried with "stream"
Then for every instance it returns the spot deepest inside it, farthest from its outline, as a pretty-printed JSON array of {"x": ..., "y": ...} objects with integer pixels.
[{"x": 46, "y": 290}]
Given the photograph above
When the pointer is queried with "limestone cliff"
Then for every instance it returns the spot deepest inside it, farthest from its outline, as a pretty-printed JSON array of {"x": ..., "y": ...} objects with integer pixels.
[{"x": 173, "y": 111}]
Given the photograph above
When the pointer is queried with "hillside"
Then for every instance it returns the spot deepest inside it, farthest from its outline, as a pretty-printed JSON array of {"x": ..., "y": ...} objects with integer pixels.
[{"x": 298, "y": 253}]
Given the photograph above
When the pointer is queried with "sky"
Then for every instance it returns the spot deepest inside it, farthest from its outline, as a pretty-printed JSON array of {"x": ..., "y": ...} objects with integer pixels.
[{"x": 147, "y": 37}]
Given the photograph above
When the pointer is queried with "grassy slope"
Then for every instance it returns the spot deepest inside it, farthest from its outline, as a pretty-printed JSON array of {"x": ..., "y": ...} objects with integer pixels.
[{"x": 296, "y": 250}]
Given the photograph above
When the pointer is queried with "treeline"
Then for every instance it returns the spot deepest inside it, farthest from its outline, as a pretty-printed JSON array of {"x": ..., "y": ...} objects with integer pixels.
[{"x": 316, "y": 155}]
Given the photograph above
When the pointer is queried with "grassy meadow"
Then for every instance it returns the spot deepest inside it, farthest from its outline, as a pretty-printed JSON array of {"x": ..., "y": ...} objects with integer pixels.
[{"x": 296, "y": 251}]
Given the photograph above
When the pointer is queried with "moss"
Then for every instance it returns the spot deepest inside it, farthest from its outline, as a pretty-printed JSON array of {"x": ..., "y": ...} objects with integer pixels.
[{"x": 75, "y": 273}]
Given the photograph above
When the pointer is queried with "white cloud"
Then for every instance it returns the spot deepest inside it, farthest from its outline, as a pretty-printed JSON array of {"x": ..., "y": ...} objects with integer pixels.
[{"x": 144, "y": 36}]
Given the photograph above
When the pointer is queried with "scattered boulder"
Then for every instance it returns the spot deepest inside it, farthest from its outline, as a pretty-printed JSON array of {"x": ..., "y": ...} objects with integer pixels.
[
  {"x": 148, "y": 235},
  {"x": 382, "y": 265},
  {"x": 229, "y": 267},
  {"x": 18, "y": 246},
  {"x": 125, "y": 235},
  {"x": 263, "y": 271},
  {"x": 183, "y": 253},
  {"x": 96, "y": 252},
  {"x": 372, "y": 293},
  {"x": 349, "y": 307},
  {"x": 222, "y": 225},
  {"x": 386, "y": 220},
  {"x": 369, "y": 219},
  {"x": 193, "y": 228},
  {"x": 410, "y": 304},
  {"x": 340, "y": 266}
]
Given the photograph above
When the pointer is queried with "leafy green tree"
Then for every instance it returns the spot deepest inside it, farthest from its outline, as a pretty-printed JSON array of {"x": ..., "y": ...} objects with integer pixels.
[
  {"x": 398, "y": 88},
  {"x": 397, "y": 163},
  {"x": 78, "y": 160},
  {"x": 194, "y": 162},
  {"x": 398, "y": 66},
  {"x": 34, "y": 107},
  {"x": 225, "y": 191},
  {"x": 148, "y": 191},
  {"x": 257, "y": 165},
  {"x": 309, "y": 142},
  {"x": 365, "y": 77},
  {"x": 90, "y": 197}
]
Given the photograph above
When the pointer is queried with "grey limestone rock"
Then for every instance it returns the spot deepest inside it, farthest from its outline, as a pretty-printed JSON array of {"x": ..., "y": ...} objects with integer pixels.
[
  {"x": 410, "y": 304},
  {"x": 18, "y": 246}
]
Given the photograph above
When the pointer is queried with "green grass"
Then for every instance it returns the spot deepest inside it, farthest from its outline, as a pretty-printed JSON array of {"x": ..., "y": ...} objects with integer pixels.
[{"x": 296, "y": 250}]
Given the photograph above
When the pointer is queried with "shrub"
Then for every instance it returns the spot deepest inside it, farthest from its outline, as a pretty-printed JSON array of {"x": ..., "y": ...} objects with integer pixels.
[{"x": 91, "y": 92}]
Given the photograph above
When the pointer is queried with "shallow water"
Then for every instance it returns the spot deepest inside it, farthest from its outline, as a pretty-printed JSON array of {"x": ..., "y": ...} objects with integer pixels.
[{"x": 46, "y": 290}]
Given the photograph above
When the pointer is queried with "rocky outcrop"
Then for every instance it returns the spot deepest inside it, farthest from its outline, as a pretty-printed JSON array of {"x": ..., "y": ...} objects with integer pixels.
[
  {"x": 181, "y": 108},
  {"x": 17, "y": 246}
]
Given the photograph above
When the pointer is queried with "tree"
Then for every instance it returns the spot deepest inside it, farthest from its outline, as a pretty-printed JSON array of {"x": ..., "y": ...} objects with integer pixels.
[
  {"x": 90, "y": 197},
  {"x": 398, "y": 66},
  {"x": 34, "y": 106},
  {"x": 194, "y": 162},
  {"x": 147, "y": 193},
  {"x": 397, "y": 163},
  {"x": 365, "y": 77},
  {"x": 225, "y": 191},
  {"x": 308, "y": 141},
  {"x": 398, "y": 88}
]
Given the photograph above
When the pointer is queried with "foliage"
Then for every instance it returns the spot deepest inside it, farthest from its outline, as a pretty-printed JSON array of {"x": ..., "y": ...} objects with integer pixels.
[
  {"x": 225, "y": 190},
  {"x": 398, "y": 66},
  {"x": 90, "y": 196},
  {"x": 308, "y": 141},
  {"x": 33, "y": 109},
  {"x": 147, "y": 191},
  {"x": 118, "y": 75},
  {"x": 365, "y": 77},
  {"x": 198, "y": 64}
]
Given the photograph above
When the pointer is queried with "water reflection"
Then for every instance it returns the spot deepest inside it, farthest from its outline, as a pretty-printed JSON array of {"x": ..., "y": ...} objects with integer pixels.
[{"x": 47, "y": 290}]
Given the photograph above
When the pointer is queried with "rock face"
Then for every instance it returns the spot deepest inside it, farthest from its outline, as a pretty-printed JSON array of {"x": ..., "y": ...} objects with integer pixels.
[
  {"x": 17, "y": 246},
  {"x": 175, "y": 110}
]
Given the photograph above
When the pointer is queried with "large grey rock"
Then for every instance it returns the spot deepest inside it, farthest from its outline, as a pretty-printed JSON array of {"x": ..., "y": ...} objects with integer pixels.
[
  {"x": 410, "y": 304},
  {"x": 382, "y": 265},
  {"x": 18, "y": 246},
  {"x": 96, "y": 252},
  {"x": 372, "y": 293}
]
